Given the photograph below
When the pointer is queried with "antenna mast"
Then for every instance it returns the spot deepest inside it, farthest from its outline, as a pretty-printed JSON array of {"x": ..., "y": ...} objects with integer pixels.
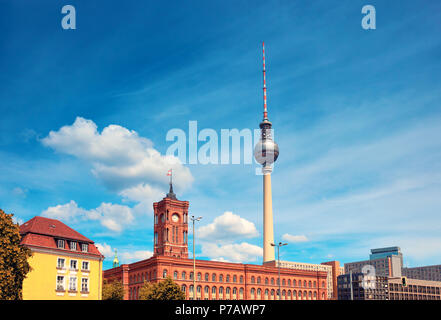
[{"x": 265, "y": 111}]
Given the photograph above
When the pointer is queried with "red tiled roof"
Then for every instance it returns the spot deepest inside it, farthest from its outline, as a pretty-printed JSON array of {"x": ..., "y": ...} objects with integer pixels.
[
  {"x": 43, "y": 232},
  {"x": 51, "y": 227}
]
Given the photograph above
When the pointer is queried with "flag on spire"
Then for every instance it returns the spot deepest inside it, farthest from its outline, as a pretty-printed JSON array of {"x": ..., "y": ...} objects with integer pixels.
[{"x": 169, "y": 172}]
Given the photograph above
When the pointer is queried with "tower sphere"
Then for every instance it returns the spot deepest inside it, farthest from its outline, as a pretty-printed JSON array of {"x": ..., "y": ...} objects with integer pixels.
[{"x": 266, "y": 151}]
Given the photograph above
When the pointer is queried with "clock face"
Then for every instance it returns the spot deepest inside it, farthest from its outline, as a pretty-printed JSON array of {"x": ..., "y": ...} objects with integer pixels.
[{"x": 175, "y": 217}]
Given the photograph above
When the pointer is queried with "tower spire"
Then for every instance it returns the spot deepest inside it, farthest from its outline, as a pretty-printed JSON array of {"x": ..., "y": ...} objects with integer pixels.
[
  {"x": 170, "y": 193},
  {"x": 265, "y": 110},
  {"x": 115, "y": 260}
]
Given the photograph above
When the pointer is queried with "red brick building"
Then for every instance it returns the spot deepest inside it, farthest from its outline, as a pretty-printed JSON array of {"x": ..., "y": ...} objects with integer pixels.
[{"x": 214, "y": 280}]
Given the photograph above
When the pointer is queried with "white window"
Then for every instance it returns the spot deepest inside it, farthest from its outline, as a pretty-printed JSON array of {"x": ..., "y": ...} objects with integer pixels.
[
  {"x": 60, "y": 263},
  {"x": 73, "y": 245},
  {"x": 73, "y": 284},
  {"x": 60, "y": 244},
  {"x": 85, "y": 285},
  {"x": 85, "y": 265},
  {"x": 84, "y": 247},
  {"x": 60, "y": 282},
  {"x": 73, "y": 264}
]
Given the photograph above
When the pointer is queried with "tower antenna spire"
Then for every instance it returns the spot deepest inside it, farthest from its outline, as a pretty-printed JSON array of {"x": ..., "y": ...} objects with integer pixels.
[{"x": 265, "y": 110}]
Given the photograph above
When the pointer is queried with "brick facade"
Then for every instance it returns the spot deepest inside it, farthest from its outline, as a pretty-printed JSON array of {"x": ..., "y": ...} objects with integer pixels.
[{"x": 214, "y": 280}]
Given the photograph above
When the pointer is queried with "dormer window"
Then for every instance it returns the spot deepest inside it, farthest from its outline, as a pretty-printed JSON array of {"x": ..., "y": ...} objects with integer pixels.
[
  {"x": 73, "y": 245},
  {"x": 60, "y": 244},
  {"x": 84, "y": 247}
]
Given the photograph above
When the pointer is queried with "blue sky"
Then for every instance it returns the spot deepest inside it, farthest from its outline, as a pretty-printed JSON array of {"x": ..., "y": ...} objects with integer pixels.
[{"x": 356, "y": 114}]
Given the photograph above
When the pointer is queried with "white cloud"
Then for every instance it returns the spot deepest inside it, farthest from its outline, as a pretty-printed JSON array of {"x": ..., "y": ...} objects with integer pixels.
[
  {"x": 228, "y": 226},
  {"x": 105, "y": 249},
  {"x": 66, "y": 212},
  {"x": 123, "y": 256},
  {"x": 294, "y": 238},
  {"x": 17, "y": 191},
  {"x": 128, "y": 256},
  {"x": 243, "y": 252},
  {"x": 124, "y": 162},
  {"x": 119, "y": 158},
  {"x": 112, "y": 216}
]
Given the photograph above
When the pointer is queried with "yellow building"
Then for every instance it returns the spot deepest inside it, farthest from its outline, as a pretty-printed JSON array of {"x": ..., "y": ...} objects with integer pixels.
[{"x": 65, "y": 264}]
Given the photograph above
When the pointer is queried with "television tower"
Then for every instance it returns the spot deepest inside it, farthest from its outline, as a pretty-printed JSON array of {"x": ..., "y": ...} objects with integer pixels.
[{"x": 266, "y": 153}]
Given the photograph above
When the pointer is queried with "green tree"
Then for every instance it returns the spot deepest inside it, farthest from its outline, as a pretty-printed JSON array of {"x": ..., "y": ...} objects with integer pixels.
[
  {"x": 164, "y": 290},
  {"x": 113, "y": 290},
  {"x": 14, "y": 263}
]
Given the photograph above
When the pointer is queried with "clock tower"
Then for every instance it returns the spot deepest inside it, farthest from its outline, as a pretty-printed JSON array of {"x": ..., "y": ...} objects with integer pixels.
[{"x": 171, "y": 226}]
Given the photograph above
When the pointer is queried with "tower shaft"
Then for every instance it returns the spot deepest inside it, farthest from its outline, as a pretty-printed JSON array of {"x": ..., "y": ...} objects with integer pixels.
[{"x": 268, "y": 229}]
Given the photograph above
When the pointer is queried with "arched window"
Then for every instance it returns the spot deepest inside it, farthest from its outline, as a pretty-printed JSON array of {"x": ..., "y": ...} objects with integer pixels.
[
  {"x": 199, "y": 289},
  {"x": 207, "y": 277},
  {"x": 184, "y": 288},
  {"x": 206, "y": 292},
  {"x": 241, "y": 293},
  {"x": 315, "y": 295},
  {"x": 221, "y": 292},
  {"x": 252, "y": 279},
  {"x": 272, "y": 281},
  {"x": 234, "y": 290},
  {"x": 199, "y": 276},
  {"x": 164, "y": 273},
  {"x": 323, "y": 284},
  {"x": 241, "y": 279},
  {"x": 294, "y": 283},
  {"x": 289, "y": 282},
  {"x": 228, "y": 278},
  {"x": 253, "y": 291},
  {"x": 175, "y": 275},
  {"x": 213, "y": 292},
  {"x": 283, "y": 282},
  {"x": 300, "y": 295},
  {"x": 283, "y": 294},
  {"x": 259, "y": 293},
  {"x": 266, "y": 280},
  {"x": 305, "y": 295},
  {"x": 221, "y": 278},
  {"x": 234, "y": 278},
  {"x": 304, "y": 283},
  {"x": 183, "y": 275},
  {"x": 323, "y": 296},
  {"x": 309, "y": 295},
  {"x": 191, "y": 275},
  {"x": 289, "y": 295},
  {"x": 266, "y": 294},
  {"x": 310, "y": 284},
  {"x": 213, "y": 277},
  {"x": 258, "y": 280},
  {"x": 315, "y": 284},
  {"x": 272, "y": 294}
]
